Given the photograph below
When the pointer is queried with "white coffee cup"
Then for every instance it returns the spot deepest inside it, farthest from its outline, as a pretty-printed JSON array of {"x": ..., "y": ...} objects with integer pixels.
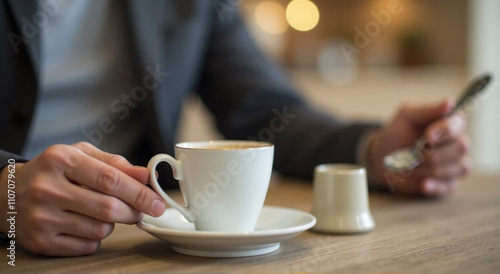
[
  {"x": 340, "y": 202},
  {"x": 224, "y": 183}
]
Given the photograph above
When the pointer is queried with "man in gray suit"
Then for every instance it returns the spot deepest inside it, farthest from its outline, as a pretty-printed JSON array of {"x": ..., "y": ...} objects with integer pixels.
[{"x": 82, "y": 77}]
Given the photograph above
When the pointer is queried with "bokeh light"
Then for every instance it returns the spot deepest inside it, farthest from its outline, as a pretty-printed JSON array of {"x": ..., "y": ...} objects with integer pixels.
[
  {"x": 270, "y": 17},
  {"x": 302, "y": 15}
]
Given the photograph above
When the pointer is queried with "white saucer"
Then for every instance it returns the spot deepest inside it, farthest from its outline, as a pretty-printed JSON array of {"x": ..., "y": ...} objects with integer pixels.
[{"x": 275, "y": 224}]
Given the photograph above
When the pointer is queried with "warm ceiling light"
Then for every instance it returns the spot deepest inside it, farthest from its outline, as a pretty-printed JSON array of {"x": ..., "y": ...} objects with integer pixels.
[
  {"x": 270, "y": 16},
  {"x": 302, "y": 15}
]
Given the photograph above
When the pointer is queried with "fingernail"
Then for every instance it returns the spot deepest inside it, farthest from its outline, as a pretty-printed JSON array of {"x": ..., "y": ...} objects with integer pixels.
[
  {"x": 158, "y": 207},
  {"x": 430, "y": 187},
  {"x": 438, "y": 136},
  {"x": 456, "y": 122}
]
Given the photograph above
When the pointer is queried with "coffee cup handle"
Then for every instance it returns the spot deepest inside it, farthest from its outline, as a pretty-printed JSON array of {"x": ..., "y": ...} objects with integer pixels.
[{"x": 177, "y": 174}]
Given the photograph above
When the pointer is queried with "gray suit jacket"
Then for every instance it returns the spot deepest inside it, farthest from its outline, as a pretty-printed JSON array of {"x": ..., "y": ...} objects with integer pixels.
[{"x": 205, "y": 48}]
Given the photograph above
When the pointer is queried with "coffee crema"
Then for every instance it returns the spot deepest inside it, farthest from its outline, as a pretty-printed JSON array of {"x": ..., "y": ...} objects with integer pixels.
[
  {"x": 226, "y": 147},
  {"x": 223, "y": 145}
]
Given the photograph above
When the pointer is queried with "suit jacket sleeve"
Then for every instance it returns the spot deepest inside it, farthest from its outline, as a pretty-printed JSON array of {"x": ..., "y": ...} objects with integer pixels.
[
  {"x": 252, "y": 99},
  {"x": 6, "y": 156},
  {"x": 18, "y": 87}
]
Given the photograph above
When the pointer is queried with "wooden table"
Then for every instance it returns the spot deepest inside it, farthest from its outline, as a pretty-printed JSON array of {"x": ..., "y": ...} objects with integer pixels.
[{"x": 457, "y": 234}]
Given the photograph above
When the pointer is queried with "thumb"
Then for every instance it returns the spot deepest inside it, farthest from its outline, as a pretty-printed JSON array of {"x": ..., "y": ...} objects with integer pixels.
[{"x": 422, "y": 116}]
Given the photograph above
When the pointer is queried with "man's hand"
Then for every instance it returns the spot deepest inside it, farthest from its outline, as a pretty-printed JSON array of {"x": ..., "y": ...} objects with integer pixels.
[
  {"x": 69, "y": 197},
  {"x": 443, "y": 159}
]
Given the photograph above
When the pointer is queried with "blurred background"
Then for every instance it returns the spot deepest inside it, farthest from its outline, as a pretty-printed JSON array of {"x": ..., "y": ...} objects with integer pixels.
[{"x": 361, "y": 59}]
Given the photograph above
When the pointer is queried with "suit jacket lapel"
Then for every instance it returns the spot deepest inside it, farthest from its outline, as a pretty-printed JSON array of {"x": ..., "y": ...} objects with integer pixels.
[
  {"x": 152, "y": 23},
  {"x": 153, "y": 29}
]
